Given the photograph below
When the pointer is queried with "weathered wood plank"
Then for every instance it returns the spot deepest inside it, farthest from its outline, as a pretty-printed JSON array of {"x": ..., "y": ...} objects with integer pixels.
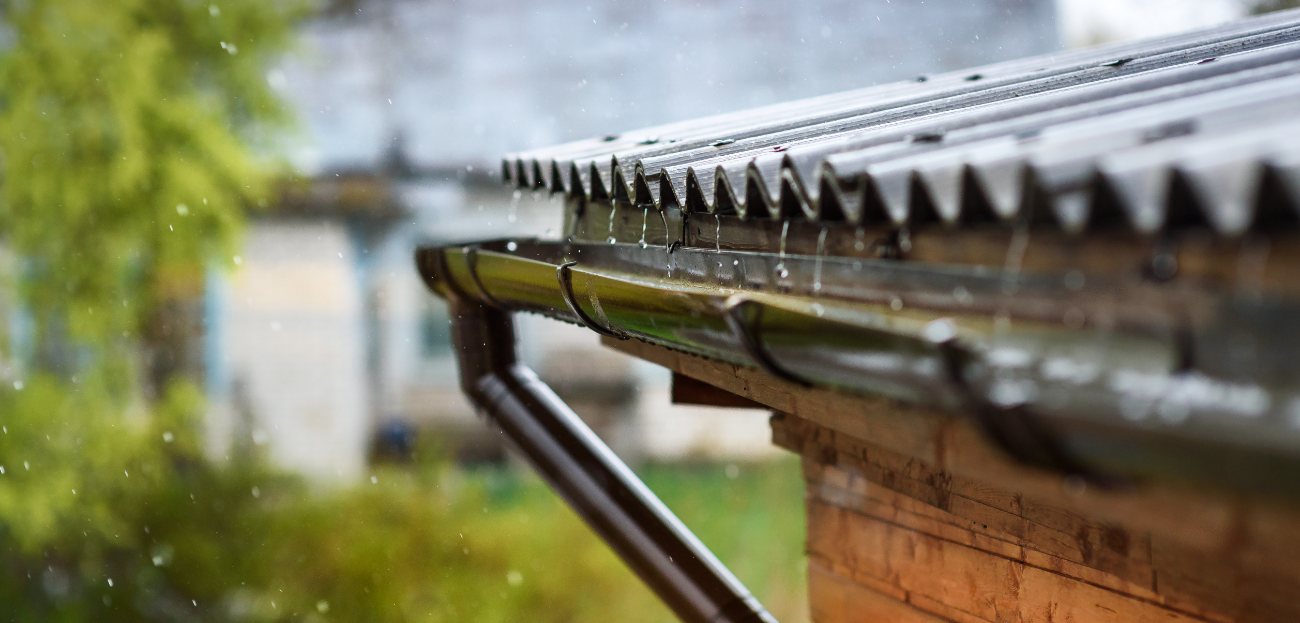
[
  {"x": 1067, "y": 535},
  {"x": 839, "y": 600},
  {"x": 968, "y": 579}
]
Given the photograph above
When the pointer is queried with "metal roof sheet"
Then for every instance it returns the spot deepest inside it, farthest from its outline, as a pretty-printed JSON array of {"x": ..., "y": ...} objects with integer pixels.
[{"x": 1197, "y": 129}]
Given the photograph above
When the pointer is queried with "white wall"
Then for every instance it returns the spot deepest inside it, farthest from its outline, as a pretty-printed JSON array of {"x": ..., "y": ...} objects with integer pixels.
[{"x": 288, "y": 350}]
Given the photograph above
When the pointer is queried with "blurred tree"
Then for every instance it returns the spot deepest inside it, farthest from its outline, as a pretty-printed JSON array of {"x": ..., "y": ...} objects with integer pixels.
[{"x": 125, "y": 134}]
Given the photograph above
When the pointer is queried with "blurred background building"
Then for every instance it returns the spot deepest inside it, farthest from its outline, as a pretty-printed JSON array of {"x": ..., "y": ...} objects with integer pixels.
[{"x": 324, "y": 346}]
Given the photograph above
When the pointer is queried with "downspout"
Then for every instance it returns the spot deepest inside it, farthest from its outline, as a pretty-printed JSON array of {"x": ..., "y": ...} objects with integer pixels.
[{"x": 585, "y": 472}]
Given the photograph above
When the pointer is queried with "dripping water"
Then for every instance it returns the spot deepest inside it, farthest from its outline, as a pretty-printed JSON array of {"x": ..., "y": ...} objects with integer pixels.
[
  {"x": 613, "y": 211},
  {"x": 717, "y": 234},
  {"x": 817, "y": 262},
  {"x": 1015, "y": 256},
  {"x": 645, "y": 214},
  {"x": 1011, "y": 277},
  {"x": 668, "y": 243},
  {"x": 513, "y": 214},
  {"x": 781, "y": 270}
]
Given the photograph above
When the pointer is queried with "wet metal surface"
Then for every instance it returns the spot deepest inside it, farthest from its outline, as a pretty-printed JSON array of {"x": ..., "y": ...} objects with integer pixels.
[{"x": 1196, "y": 130}]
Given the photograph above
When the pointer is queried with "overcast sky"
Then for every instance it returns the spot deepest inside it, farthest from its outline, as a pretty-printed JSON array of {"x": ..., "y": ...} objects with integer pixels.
[{"x": 1088, "y": 22}]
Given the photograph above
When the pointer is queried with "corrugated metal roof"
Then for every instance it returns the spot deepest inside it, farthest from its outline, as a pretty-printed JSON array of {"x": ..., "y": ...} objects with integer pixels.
[{"x": 1198, "y": 129}]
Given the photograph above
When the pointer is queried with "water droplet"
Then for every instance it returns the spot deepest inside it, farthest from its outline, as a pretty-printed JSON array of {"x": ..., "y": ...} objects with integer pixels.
[
  {"x": 512, "y": 214},
  {"x": 817, "y": 262},
  {"x": 257, "y": 493},
  {"x": 645, "y": 214},
  {"x": 182, "y": 209},
  {"x": 962, "y": 295},
  {"x": 514, "y": 578},
  {"x": 939, "y": 331},
  {"x": 733, "y": 471},
  {"x": 511, "y": 246},
  {"x": 168, "y": 437},
  {"x": 374, "y": 480},
  {"x": 780, "y": 258},
  {"x": 896, "y": 304},
  {"x": 18, "y": 385},
  {"x": 818, "y": 310},
  {"x": 322, "y": 606},
  {"x": 110, "y": 580},
  {"x": 611, "y": 240}
]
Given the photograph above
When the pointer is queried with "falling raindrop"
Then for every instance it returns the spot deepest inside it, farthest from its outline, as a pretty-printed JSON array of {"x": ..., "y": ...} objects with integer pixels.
[
  {"x": 513, "y": 214},
  {"x": 613, "y": 212},
  {"x": 780, "y": 258},
  {"x": 717, "y": 234},
  {"x": 645, "y": 214},
  {"x": 668, "y": 245},
  {"x": 512, "y": 246},
  {"x": 817, "y": 262}
]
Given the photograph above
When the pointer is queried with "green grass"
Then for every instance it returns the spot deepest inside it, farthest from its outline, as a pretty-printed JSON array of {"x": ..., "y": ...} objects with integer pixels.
[{"x": 754, "y": 523}]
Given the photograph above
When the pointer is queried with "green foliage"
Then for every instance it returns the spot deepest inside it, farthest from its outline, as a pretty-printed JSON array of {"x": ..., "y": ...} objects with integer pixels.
[
  {"x": 181, "y": 539},
  {"x": 124, "y": 130}
]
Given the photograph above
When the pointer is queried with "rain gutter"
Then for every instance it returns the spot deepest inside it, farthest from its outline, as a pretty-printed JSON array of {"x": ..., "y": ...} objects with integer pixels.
[{"x": 1139, "y": 397}]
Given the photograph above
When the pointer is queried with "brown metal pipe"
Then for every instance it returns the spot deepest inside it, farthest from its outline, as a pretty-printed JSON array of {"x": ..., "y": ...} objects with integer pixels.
[{"x": 587, "y": 474}]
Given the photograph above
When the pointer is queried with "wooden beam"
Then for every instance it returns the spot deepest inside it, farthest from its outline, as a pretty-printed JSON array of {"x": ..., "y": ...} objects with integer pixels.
[{"x": 690, "y": 391}]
